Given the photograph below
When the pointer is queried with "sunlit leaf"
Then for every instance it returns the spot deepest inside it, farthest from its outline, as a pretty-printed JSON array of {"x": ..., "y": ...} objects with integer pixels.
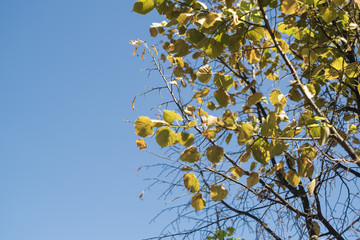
[
  {"x": 165, "y": 137},
  {"x": 143, "y": 127},
  {"x": 253, "y": 179},
  {"x": 222, "y": 97},
  {"x": 215, "y": 154},
  {"x": 254, "y": 98},
  {"x": 245, "y": 133},
  {"x": 171, "y": 116},
  {"x": 197, "y": 201},
  {"x": 191, "y": 182},
  {"x": 141, "y": 144},
  {"x": 185, "y": 139},
  {"x": 143, "y": 6},
  {"x": 204, "y": 73},
  {"x": 218, "y": 193},
  {"x": 210, "y": 19},
  {"x": 237, "y": 171},
  {"x": 292, "y": 178},
  {"x": 190, "y": 155},
  {"x": 289, "y": 6}
]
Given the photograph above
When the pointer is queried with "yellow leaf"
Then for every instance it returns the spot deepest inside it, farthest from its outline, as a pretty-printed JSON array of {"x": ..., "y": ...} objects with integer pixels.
[
  {"x": 143, "y": 127},
  {"x": 218, "y": 193},
  {"x": 253, "y": 179},
  {"x": 204, "y": 74},
  {"x": 143, "y": 6},
  {"x": 141, "y": 144},
  {"x": 190, "y": 155},
  {"x": 292, "y": 178},
  {"x": 253, "y": 166},
  {"x": 210, "y": 19},
  {"x": 165, "y": 137},
  {"x": 197, "y": 201},
  {"x": 222, "y": 97},
  {"x": 289, "y": 6},
  {"x": 311, "y": 186},
  {"x": 245, "y": 157},
  {"x": 191, "y": 182},
  {"x": 245, "y": 133},
  {"x": 171, "y": 116},
  {"x": 185, "y": 139},
  {"x": 254, "y": 99},
  {"x": 237, "y": 171},
  {"x": 215, "y": 154},
  {"x": 304, "y": 164}
]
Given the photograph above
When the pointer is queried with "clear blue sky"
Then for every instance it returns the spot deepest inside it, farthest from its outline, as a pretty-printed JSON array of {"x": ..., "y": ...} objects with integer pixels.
[{"x": 67, "y": 161}]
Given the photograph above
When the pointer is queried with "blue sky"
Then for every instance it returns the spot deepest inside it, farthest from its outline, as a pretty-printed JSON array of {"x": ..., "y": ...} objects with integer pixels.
[{"x": 67, "y": 159}]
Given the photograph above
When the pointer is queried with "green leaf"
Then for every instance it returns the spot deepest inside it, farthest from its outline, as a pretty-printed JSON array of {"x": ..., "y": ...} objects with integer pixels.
[
  {"x": 256, "y": 33},
  {"x": 277, "y": 99},
  {"x": 218, "y": 193},
  {"x": 260, "y": 151},
  {"x": 245, "y": 133},
  {"x": 222, "y": 97},
  {"x": 292, "y": 178},
  {"x": 143, "y": 127},
  {"x": 197, "y": 201},
  {"x": 304, "y": 167},
  {"x": 253, "y": 179},
  {"x": 185, "y": 139},
  {"x": 171, "y": 116},
  {"x": 190, "y": 155},
  {"x": 254, "y": 98},
  {"x": 143, "y": 6},
  {"x": 191, "y": 182},
  {"x": 215, "y": 154},
  {"x": 204, "y": 73},
  {"x": 194, "y": 35},
  {"x": 223, "y": 81},
  {"x": 245, "y": 157},
  {"x": 210, "y": 19},
  {"x": 165, "y": 137},
  {"x": 279, "y": 148},
  {"x": 214, "y": 49}
]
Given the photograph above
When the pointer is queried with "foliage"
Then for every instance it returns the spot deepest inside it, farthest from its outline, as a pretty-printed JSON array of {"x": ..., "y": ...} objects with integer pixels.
[{"x": 262, "y": 114}]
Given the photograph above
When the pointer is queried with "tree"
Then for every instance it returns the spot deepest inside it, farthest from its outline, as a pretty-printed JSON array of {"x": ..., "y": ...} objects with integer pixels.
[{"x": 260, "y": 121}]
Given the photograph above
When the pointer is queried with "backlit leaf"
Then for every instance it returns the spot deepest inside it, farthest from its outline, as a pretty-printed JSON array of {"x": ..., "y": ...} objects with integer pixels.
[
  {"x": 222, "y": 97},
  {"x": 237, "y": 171},
  {"x": 185, "y": 139},
  {"x": 289, "y": 6},
  {"x": 190, "y": 155},
  {"x": 254, "y": 98},
  {"x": 218, "y": 193},
  {"x": 292, "y": 178},
  {"x": 204, "y": 73},
  {"x": 215, "y": 154},
  {"x": 210, "y": 19},
  {"x": 197, "y": 201},
  {"x": 191, "y": 182},
  {"x": 143, "y": 6},
  {"x": 165, "y": 137},
  {"x": 245, "y": 133},
  {"x": 253, "y": 179},
  {"x": 143, "y": 127},
  {"x": 171, "y": 116}
]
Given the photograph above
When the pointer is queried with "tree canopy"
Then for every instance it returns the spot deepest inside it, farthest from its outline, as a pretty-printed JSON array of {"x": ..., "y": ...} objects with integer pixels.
[{"x": 259, "y": 115}]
